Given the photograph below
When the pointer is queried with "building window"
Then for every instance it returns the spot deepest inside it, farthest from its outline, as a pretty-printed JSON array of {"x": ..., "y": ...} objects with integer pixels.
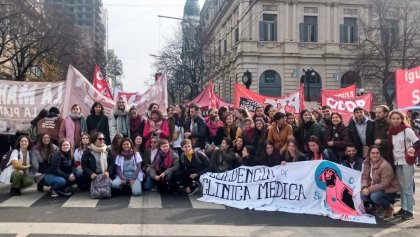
[
  {"x": 309, "y": 29},
  {"x": 312, "y": 85},
  {"x": 270, "y": 83},
  {"x": 349, "y": 78},
  {"x": 225, "y": 46},
  {"x": 236, "y": 35},
  {"x": 348, "y": 30},
  {"x": 268, "y": 28},
  {"x": 390, "y": 32}
]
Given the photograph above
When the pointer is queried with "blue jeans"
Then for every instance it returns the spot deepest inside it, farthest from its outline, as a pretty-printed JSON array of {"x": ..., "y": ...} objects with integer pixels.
[
  {"x": 148, "y": 183},
  {"x": 135, "y": 188},
  {"x": 380, "y": 198},
  {"x": 405, "y": 175},
  {"x": 56, "y": 182}
]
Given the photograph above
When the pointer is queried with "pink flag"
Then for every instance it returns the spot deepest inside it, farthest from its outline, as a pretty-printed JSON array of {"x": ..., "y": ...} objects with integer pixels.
[{"x": 101, "y": 84}]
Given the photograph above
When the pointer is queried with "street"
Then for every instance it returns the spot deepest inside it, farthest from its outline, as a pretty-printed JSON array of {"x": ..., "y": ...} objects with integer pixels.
[{"x": 37, "y": 214}]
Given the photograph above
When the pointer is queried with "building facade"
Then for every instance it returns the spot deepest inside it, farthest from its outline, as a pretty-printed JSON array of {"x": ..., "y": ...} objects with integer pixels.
[{"x": 282, "y": 43}]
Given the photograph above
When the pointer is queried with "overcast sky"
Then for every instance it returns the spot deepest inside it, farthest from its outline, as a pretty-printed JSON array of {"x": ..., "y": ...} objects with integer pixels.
[{"x": 135, "y": 32}]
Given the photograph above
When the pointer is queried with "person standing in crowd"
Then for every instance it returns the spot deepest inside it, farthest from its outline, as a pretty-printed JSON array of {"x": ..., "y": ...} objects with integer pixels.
[
  {"x": 215, "y": 131},
  {"x": 290, "y": 119},
  {"x": 380, "y": 133},
  {"x": 222, "y": 112},
  {"x": 60, "y": 174},
  {"x": 223, "y": 158},
  {"x": 259, "y": 113},
  {"x": 308, "y": 127},
  {"x": 231, "y": 131},
  {"x": 316, "y": 151},
  {"x": 403, "y": 142},
  {"x": 169, "y": 111},
  {"x": 241, "y": 115},
  {"x": 156, "y": 126},
  {"x": 128, "y": 168},
  {"x": 238, "y": 147},
  {"x": 379, "y": 184},
  {"x": 195, "y": 128},
  {"x": 19, "y": 162},
  {"x": 97, "y": 121},
  {"x": 336, "y": 136},
  {"x": 212, "y": 111},
  {"x": 261, "y": 134},
  {"x": 361, "y": 129},
  {"x": 325, "y": 122},
  {"x": 316, "y": 113},
  {"x": 51, "y": 124},
  {"x": 40, "y": 153},
  {"x": 192, "y": 164},
  {"x": 271, "y": 112},
  {"x": 136, "y": 123},
  {"x": 248, "y": 156},
  {"x": 280, "y": 131},
  {"x": 176, "y": 128},
  {"x": 291, "y": 153},
  {"x": 73, "y": 126},
  {"x": 248, "y": 134},
  {"x": 97, "y": 159},
  {"x": 163, "y": 168},
  {"x": 152, "y": 106},
  {"x": 119, "y": 119},
  {"x": 271, "y": 157},
  {"x": 149, "y": 156},
  {"x": 352, "y": 159}
]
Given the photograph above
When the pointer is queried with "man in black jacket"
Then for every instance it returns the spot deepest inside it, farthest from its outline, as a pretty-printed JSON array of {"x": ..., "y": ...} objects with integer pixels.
[
  {"x": 351, "y": 159},
  {"x": 195, "y": 127},
  {"x": 192, "y": 164},
  {"x": 361, "y": 130}
]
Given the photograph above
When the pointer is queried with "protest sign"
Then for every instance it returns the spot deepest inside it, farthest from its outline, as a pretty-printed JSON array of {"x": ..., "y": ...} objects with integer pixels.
[
  {"x": 345, "y": 107},
  {"x": 407, "y": 83},
  {"x": 346, "y": 93}
]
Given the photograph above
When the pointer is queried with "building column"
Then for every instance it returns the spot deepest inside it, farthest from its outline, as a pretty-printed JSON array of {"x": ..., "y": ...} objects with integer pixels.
[
  {"x": 294, "y": 25},
  {"x": 329, "y": 29},
  {"x": 286, "y": 21}
]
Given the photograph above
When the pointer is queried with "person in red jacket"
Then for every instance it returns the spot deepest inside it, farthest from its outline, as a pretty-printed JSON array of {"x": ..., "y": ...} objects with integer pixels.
[{"x": 155, "y": 126}]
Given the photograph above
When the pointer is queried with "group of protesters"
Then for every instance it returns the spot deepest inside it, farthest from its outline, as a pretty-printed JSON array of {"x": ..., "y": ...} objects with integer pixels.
[{"x": 170, "y": 150}]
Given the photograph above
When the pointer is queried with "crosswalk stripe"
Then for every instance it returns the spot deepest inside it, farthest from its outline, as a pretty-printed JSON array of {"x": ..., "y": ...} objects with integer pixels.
[
  {"x": 29, "y": 197},
  {"x": 203, "y": 205},
  {"x": 80, "y": 199},
  {"x": 146, "y": 200},
  {"x": 417, "y": 180}
]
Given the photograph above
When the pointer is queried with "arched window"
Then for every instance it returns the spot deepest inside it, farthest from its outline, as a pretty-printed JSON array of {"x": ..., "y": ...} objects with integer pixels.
[
  {"x": 312, "y": 85},
  {"x": 349, "y": 78},
  {"x": 390, "y": 85},
  {"x": 270, "y": 83}
]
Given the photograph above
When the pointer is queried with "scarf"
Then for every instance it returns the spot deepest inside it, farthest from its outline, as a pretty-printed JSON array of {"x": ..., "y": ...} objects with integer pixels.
[
  {"x": 394, "y": 131},
  {"x": 103, "y": 160},
  {"x": 135, "y": 124},
  {"x": 127, "y": 154},
  {"x": 75, "y": 116},
  {"x": 165, "y": 160},
  {"x": 121, "y": 120},
  {"x": 212, "y": 128}
]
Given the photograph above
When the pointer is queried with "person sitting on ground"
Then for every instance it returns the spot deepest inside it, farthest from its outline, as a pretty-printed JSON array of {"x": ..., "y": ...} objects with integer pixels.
[
  {"x": 192, "y": 164},
  {"x": 39, "y": 157},
  {"x": 379, "y": 184},
  {"x": 280, "y": 131},
  {"x": 163, "y": 168},
  {"x": 316, "y": 151},
  {"x": 138, "y": 144},
  {"x": 238, "y": 147},
  {"x": 291, "y": 153},
  {"x": 248, "y": 156},
  {"x": 223, "y": 158},
  {"x": 60, "y": 174},
  {"x": 351, "y": 159},
  {"x": 271, "y": 157},
  {"x": 128, "y": 168},
  {"x": 149, "y": 156},
  {"x": 214, "y": 130},
  {"x": 336, "y": 136}
]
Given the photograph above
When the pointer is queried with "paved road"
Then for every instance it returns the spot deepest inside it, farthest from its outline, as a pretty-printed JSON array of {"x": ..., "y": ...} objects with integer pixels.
[{"x": 37, "y": 214}]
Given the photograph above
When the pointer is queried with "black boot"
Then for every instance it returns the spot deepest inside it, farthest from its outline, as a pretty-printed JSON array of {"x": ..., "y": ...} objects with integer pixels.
[
  {"x": 40, "y": 185},
  {"x": 15, "y": 192}
]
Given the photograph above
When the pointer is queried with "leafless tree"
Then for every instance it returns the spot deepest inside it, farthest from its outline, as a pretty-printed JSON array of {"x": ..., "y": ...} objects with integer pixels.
[{"x": 389, "y": 40}]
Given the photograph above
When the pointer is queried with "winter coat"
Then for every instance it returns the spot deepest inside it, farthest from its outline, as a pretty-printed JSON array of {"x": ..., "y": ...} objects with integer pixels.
[
  {"x": 98, "y": 123},
  {"x": 279, "y": 136},
  {"x": 147, "y": 133},
  {"x": 88, "y": 164},
  {"x": 379, "y": 177},
  {"x": 72, "y": 130},
  {"x": 198, "y": 133},
  {"x": 339, "y": 136},
  {"x": 357, "y": 163},
  {"x": 305, "y": 131},
  {"x": 381, "y": 132},
  {"x": 355, "y": 137},
  {"x": 199, "y": 163},
  {"x": 222, "y": 161}
]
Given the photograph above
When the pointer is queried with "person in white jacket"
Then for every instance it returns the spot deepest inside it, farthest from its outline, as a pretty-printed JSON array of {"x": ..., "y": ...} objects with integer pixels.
[
  {"x": 403, "y": 140},
  {"x": 119, "y": 119}
]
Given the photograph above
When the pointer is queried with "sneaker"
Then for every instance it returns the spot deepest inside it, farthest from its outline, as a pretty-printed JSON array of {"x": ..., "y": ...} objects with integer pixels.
[
  {"x": 400, "y": 213},
  {"x": 388, "y": 213},
  {"x": 194, "y": 188},
  {"x": 372, "y": 210},
  {"x": 15, "y": 192},
  {"x": 40, "y": 186},
  {"x": 53, "y": 193},
  {"x": 408, "y": 215},
  {"x": 64, "y": 192}
]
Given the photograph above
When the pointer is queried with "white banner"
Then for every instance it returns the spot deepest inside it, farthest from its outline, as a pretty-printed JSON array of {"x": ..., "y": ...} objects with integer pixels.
[{"x": 309, "y": 187}]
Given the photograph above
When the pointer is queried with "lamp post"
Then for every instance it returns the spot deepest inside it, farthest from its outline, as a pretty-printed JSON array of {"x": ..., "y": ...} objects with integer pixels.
[
  {"x": 310, "y": 75},
  {"x": 247, "y": 79}
]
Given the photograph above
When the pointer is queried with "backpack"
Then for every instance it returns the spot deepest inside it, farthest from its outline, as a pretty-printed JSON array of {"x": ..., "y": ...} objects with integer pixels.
[
  {"x": 5, "y": 160},
  {"x": 100, "y": 188}
]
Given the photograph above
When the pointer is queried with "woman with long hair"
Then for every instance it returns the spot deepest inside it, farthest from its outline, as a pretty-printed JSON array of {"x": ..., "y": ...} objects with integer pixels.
[
  {"x": 337, "y": 136},
  {"x": 60, "y": 174},
  {"x": 238, "y": 147},
  {"x": 163, "y": 168},
  {"x": 317, "y": 152},
  {"x": 270, "y": 157},
  {"x": 248, "y": 156},
  {"x": 308, "y": 127},
  {"x": 215, "y": 131},
  {"x": 83, "y": 145},
  {"x": 176, "y": 127},
  {"x": 248, "y": 132},
  {"x": 115, "y": 145},
  {"x": 136, "y": 123},
  {"x": 155, "y": 126},
  {"x": 280, "y": 131},
  {"x": 128, "y": 168},
  {"x": 241, "y": 115},
  {"x": 40, "y": 153},
  {"x": 231, "y": 131},
  {"x": 97, "y": 121},
  {"x": 403, "y": 142},
  {"x": 73, "y": 126},
  {"x": 138, "y": 144},
  {"x": 223, "y": 159},
  {"x": 260, "y": 136},
  {"x": 291, "y": 153}
]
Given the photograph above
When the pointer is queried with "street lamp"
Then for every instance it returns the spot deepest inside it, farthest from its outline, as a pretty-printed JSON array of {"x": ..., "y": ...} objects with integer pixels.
[
  {"x": 247, "y": 79},
  {"x": 361, "y": 91},
  {"x": 310, "y": 76}
]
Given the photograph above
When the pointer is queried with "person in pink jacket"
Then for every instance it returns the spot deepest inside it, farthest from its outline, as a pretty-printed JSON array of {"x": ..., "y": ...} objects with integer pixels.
[{"x": 156, "y": 126}]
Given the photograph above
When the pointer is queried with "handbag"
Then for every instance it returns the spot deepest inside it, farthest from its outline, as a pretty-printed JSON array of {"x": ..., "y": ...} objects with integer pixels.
[
  {"x": 100, "y": 188},
  {"x": 411, "y": 160}
]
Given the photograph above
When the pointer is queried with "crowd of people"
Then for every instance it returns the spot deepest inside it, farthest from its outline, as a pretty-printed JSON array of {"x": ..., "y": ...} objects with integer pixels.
[{"x": 173, "y": 149}]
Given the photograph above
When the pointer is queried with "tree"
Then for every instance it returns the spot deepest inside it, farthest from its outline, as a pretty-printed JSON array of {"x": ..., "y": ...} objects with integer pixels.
[{"x": 390, "y": 40}]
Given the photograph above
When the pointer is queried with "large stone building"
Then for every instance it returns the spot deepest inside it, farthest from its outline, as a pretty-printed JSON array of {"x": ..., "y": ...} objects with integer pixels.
[{"x": 282, "y": 43}]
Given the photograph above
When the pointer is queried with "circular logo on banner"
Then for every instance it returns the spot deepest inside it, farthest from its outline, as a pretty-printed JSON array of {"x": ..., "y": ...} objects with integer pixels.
[{"x": 324, "y": 170}]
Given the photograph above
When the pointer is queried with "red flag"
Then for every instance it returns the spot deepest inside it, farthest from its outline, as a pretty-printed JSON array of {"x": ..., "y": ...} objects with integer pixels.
[
  {"x": 407, "y": 83},
  {"x": 101, "y": 84},
  {"x": 212, "y": 97}
]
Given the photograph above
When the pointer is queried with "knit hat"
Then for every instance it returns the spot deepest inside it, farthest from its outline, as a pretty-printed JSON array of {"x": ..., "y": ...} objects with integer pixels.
[{"x": 54, "y": 110}]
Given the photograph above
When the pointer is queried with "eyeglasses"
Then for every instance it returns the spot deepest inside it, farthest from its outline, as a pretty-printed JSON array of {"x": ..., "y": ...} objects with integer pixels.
[
  {"x": 101, "y": 139},
  {"x": 153, "y": 141}
]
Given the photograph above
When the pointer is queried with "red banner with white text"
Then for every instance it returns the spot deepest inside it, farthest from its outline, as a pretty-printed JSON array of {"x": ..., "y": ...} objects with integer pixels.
[
  {"x": 346, "y": 106},
  {"x": 407, "y": 83},
  {"x": 293, "y": 102},
  {"x": 101, "y": 84},
  {"x": 346, "y": 93}
]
